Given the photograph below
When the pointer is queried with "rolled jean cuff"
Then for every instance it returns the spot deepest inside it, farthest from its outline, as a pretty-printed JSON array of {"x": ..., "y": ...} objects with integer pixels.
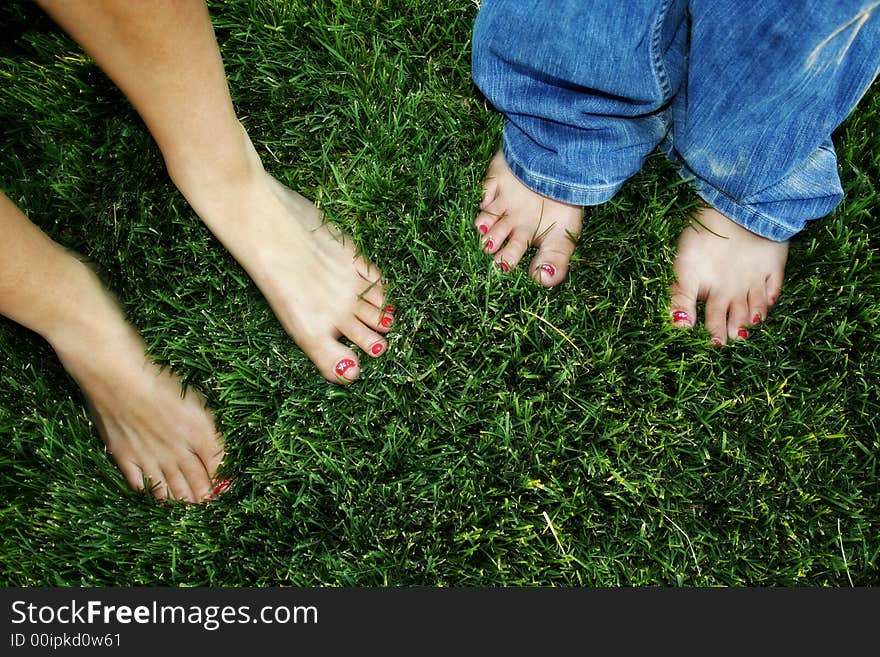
[
  {"x": 774, "y": 220},
  {"x": 558, "y": 190}
]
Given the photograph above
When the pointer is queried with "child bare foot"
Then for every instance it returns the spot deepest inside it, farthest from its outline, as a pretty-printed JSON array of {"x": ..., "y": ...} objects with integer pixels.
[
  {"x": 317, "y": 284},
  {"x": 160, "y": 438},
  {"x": 737, "y": 273},
  {"x": 513, "y": 218}
]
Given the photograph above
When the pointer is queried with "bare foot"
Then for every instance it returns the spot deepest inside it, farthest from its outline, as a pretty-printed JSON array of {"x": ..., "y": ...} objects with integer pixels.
[
  {"x": 317, "y": 284},
  {"x": 162, "y": 439},
  {"x": 737, "y": 273},
  {"x": 513, "y": 218}
]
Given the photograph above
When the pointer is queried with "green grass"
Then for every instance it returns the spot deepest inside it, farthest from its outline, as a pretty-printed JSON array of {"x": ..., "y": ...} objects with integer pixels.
[{"x": 511, "y": 435}]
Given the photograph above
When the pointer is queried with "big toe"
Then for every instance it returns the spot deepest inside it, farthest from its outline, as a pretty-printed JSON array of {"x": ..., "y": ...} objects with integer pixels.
[
  {"x": 550, "y": 265},
  {"x": 336, "y": 362}
]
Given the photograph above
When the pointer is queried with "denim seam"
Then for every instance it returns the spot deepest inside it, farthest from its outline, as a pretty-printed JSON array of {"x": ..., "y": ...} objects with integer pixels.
[
  {"x": 822, "y": 147},
  {"x": 520, "y": 170},
  {"x": 658, "y": 68},
  {"x": 704, "y": 187}
]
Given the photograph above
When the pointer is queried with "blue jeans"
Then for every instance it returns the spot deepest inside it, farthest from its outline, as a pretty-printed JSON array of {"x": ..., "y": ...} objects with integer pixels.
[{"x": 743, "y": 95}]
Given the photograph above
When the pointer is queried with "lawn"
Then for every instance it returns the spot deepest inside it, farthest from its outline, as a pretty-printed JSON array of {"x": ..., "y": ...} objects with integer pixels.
[{"x": 512, "y": 435}]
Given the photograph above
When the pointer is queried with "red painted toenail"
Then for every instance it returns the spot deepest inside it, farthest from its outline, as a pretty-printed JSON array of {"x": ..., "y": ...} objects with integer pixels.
[
  {"x": 489, "y": 244},
  {"x": 504, "y": 266},
  {"x": 343, "y": 366},
  {"x": 389, "y": 309},
  {"x": 756, "y": 319},
  {"x": 549, "y": 270},
  {"x": 484, "y": 228},
  {"x": 377, "y": 348},
  {"x": 680, "y": 316},
  {"x": 386, "y": 321},
  {"x": 221, "y": 487},
  {"x": 742, "y": 333}
]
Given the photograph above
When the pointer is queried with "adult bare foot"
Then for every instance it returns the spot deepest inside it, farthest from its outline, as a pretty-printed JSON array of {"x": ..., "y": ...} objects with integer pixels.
[
  {"x": 162, "y": 439},
  {"x": 317, "y": 284},
  {"x": 737, "y": 273},
  {"x": 513, "y": 218}
]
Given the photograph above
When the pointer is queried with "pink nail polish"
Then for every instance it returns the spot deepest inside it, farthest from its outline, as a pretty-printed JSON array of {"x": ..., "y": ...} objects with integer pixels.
[
  {"x": 504, "y": 266},
  {"x": 680, "y": 316},
  {"x": 549, "y": 270},
  {"x": 756, "y": 319},
  {"x": 386, "y": 321},
  {"x": 377, "y": 348},
  {"x": 343, "y": 366},
  {"x": 484, "y": 228},
  {"x": 716, "y": 342},
  {"x": 742, "y": 333}
]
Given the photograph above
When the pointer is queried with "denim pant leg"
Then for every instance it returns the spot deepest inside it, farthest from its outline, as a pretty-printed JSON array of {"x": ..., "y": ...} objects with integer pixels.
[
  {"x": 585, "y": 87},
  {"x": 765, "y": 88}
]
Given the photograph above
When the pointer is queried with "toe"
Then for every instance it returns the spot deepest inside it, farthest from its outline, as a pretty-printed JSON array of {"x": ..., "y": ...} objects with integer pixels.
[
  {"x": 180, "y": 486},
  {"x": 550, "y": 265},
  {"x": 757, "y": 305},
  {"x": 153, "y": 482},
  {"x": 716, "y": 319},
  {"x": 378, "y": 319},
  {"x": 683, "y": 304},
  {"x": 371, "y": 275},
  {"x": 493, "y": 240},
  {"x": 364, "y": 337},
  {"x": 773, "y": 288},
  {"x": 738, "y": 319},
  {"x": 220, "y": 487},
  {"x": 508, "y": 257},
  {"x": 486, "y": 220},
  {"x": 134, "y": 476},
  {"x": 195, "y": 478},
  {"x": 547, "y": 274},
  {"x": 490, "y": 191},
  {"x": 345, "y": 370},
  {"x": 372, "y": 292},
  {"x": 491, "y": 185},
  {"x": 334, "y": 360}
]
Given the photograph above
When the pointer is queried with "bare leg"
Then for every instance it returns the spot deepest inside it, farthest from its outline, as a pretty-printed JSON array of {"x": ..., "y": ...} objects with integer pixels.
[
  {"x": 154, "y": 431},
  {"x": 165, "y": 58},
  {"x": 737, "y": 273},
  {"x": 513, "y": 218}
]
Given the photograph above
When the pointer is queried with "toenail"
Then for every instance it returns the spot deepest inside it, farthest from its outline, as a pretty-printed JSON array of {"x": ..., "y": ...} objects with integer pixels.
[
  {"x": 377, "y": 348},
  {"x": 484, "y": 228},
  {"x": 504, "y": 266},
  {"x": 756, "y": 319},
  {"x": 742, "y": 333},
  {"x": 343, "y": 366},
  {"x": 221, "y": 487},
  {"x": 389, "y": 309},
  {"x": 386, "y": 321},
  {"x": 681, "y": 316},
  {"x": 549, "y": 270},
  {"x": 489, "y": 244},
  {"x": 716, "y": 342}
]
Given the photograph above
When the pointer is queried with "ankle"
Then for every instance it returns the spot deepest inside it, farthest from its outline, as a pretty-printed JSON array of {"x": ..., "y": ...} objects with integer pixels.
[
  {"x": 88, "y": 319},
  {"x": 232, "y": 165}
]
